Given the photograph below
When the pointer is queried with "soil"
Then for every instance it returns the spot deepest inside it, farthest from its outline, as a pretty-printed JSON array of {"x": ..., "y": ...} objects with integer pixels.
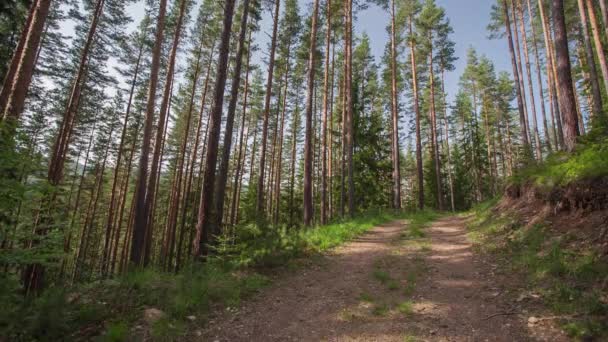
[{"x": 385, "y": 286}]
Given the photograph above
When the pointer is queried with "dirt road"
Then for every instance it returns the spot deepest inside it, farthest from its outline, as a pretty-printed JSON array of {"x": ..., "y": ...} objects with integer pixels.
[{"x": 390, "y": 284}]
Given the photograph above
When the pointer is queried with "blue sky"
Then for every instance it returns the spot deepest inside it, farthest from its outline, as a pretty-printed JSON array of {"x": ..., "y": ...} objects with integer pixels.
[{"x": 469, "y": 19}]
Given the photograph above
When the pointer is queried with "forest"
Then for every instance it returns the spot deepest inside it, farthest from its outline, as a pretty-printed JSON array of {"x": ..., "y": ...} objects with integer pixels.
[{"x": 186, "y": 169}]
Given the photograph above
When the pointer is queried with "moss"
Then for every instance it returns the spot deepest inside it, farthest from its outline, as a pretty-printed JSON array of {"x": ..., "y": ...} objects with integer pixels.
[{"x": 560, "y": 168}]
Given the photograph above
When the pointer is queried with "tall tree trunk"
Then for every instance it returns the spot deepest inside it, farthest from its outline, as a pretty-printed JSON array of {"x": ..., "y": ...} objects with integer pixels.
[
  {"x": 564, "y": 76},
  {"x": 447, "y": 141},
  {"x": 520, "y": 103},
  {"x": 140, "y": 213},
  {"x": 524, "y": 36},
  {"x": 419, "y": 172},
  {"x": 194, "y": 156},
  {"x": 349, "y": 108},
  {"x": 160, "y": 133},
  {"x": 434, "y": 142},
  {"x": 599, "y": 46},
  {"x": 115, "y": 179},
  {"x": 292, "y": 182},
  {"x": 326, "y": 109},
  {"x": 220, "y": 189},
  {"x": 204, "y": 230},
  {"x": 240, "y": 160},
  {"x": 395, "y": 115},
  {"x": 519, "y": 62},
  {"x": 279, "y": 167},
  {"x": 273, "y": 46},
  {"x": 60, "y": 147},
  {"x": 539, "y": 77},
  {"x": 21, "y": 68},
  {"x": 593, "y": 76},
  {"x": 330, "y": 169},
  {"x": 552, "y": 76},
  {"x": 309, "y": 109}
]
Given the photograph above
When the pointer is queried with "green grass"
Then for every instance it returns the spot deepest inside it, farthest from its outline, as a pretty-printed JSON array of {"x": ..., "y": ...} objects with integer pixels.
[
  {"x": 380, "y": 310},
  {"x": 567, "y": 279},
  {"x": 588, "y": 161},
  {"x": 406, "y": 308},
  {"x": 115, "y": 305}
]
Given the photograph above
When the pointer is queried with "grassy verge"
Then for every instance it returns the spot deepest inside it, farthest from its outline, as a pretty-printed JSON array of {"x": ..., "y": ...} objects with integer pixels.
[
  {"x": 588, "y": 161},
  {"x": 569, "y": 281},
  {"x": 113, "y": 308}
]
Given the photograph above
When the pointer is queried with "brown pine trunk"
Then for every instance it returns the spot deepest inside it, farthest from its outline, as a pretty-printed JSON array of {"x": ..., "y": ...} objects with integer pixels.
[
  {"x": 62, "y": 141},
  {"x": 324, "y": 172},
  {"x": 292, "y": 181},
  {"x": 330, "y": 170},
  {"x": 520, "y": 103},
  {"x": 150, "y": 196},
  {"x": 279, "y": 166},
  {"x": 179, "y": 173},
  {"x": 115, "y": 179},
  {"x": 140, "y": 218},
  {"x": 419, "y": 172},
  {"x": 552, "y": 75},
  {"x": 593, "y": 76},
  {"x": 240, "y": 160},
  {"x": 308, "y": 209},
  {"x": 260, "y": 186},
  {"x": 21, "y": 68},
  {"x": 349, "y": 108},
  {"x": 434, "y": 142},
  {"x": 599, "y": 46},
  {"x": 519, "y": 62},
  {"x": 11, "y": 71},
  {"x": 564, "y": 76},
  {"x": 539, "y": 78},
  {"x": 220, "y": 189},
  {"x": 193, "y": 158},
  {"x": 204, "y": 228},
  {"x": 539, "y": 155},
  {"x": 447, "y": 141},
  {"x": 395, "y": 115}
]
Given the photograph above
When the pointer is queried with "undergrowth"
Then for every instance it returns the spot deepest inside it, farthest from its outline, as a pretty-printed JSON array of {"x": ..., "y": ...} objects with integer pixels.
[
  {"x": 569, "y": 280},
  {"x": 109, "y": 309},
  {"x": 589, "y": 160}
]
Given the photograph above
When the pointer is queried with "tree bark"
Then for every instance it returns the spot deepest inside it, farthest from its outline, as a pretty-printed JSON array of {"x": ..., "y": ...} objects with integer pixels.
[
  {"x": 349, "y": 108},
  {"x": 539, "y": 77},
  {"x": 204, "y": 229},
  {"x": 220, "y": 189},
  {"x": 239, "y": 164},
  {"x": 524, "y": 36},
  {"x": 395, "y": 115},
  {"x": 593, "y": 76},
  {"x": 519, "y": 62},
  {"x": 520, "y": 104},
  {"x": 309, "y": 109},
  {"x": 599, "y": 46},
  {"x": 140, "y": 214},
  {"x": 419, "y": 171},
  {"x": 324, "y": 174},
  {"x": 564, "y": 76},
  {"x": 260, "y": 186},
  {"x": 21, "y": 68}
]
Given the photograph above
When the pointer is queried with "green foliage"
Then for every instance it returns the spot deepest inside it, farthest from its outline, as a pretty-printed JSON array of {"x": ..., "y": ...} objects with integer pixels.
[
  {"x": 116, "y": 332},
  {"x": 560, "y": 168},
  {"x": 406, "y": 308}
]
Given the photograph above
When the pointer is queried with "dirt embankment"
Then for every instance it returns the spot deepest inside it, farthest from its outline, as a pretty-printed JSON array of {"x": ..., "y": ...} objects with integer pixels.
[{"x": 579, "y": 209}]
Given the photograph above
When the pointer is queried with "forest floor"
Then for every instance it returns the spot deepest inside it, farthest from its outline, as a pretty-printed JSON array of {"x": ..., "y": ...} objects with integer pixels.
[{"x": 398, "y": 282}]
